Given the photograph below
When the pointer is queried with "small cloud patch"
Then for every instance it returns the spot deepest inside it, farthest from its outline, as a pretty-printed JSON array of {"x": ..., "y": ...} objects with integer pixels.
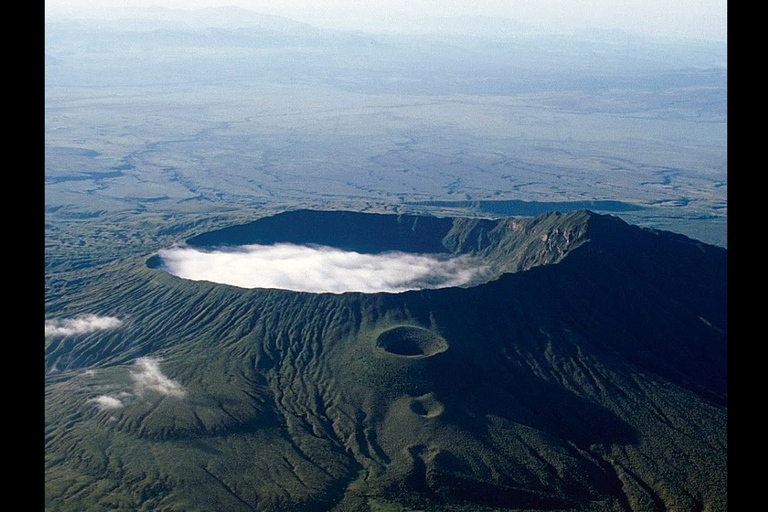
[
  {"x": 148, "y": 377},
  {"x": 83, "y": 324},
  {"x": 145, "y": 376},
  {"x": 105, "y": 402}
]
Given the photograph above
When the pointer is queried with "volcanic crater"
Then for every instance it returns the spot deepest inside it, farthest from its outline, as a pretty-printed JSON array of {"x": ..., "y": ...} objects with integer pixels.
[{"x": 342, "y": 251}]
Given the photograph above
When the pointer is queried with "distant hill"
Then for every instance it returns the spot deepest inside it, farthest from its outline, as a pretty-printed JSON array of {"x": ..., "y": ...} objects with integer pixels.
[{"x": 588, "y": 374}]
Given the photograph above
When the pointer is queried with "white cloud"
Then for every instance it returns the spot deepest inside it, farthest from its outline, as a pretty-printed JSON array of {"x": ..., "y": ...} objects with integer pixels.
[
  {"x": 150, "y": 378},
  {"x": 146, "y": 377},
  {"x": 105, "y": 402},
  {"x": 318, "y": 269},
  {"x": 80, "y": 325}
]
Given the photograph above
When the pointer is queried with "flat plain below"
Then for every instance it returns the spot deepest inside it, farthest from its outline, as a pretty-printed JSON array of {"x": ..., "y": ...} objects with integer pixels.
[{"x": 137, "y": 124}]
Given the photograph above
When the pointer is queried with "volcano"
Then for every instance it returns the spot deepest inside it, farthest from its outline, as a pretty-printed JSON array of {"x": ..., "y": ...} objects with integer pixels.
[{"x": 585, "y": 371}]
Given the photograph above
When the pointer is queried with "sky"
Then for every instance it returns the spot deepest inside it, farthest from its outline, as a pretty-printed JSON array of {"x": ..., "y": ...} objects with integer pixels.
[{"x": 698, "y": 19}]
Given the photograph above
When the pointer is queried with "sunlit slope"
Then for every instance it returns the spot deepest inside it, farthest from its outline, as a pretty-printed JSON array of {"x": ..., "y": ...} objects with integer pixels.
[{"x": 591, "y": 379}]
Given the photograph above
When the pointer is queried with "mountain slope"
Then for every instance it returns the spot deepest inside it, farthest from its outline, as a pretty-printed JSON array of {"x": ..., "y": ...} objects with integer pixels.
[{"x": 588, "y": 374}]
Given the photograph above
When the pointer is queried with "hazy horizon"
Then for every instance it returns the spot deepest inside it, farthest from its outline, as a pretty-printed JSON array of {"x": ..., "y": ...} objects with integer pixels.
[{"x": 688, "y": 20}]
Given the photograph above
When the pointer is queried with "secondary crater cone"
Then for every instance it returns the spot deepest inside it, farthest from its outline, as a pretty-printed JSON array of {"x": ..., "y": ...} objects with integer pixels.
[
  {"x": 411, "y": 341},
  {"x": 427, "y": 406}
]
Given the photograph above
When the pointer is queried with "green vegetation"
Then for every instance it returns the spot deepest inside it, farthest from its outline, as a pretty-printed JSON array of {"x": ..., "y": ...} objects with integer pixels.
[{"x": 577, "y": 384}]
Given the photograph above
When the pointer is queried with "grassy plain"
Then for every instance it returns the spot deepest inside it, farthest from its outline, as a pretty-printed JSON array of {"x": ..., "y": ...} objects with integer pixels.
[{"x": 142, "y": 121}]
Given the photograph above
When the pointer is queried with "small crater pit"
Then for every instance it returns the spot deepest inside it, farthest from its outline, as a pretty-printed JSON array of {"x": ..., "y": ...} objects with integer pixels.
[
  {"x": 427, "y": 406},
  {"x": 411, "y": 341}
]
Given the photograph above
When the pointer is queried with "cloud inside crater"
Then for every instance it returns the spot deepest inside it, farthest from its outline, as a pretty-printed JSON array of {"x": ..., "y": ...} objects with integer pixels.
[{"x": 318, "y": 269}]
